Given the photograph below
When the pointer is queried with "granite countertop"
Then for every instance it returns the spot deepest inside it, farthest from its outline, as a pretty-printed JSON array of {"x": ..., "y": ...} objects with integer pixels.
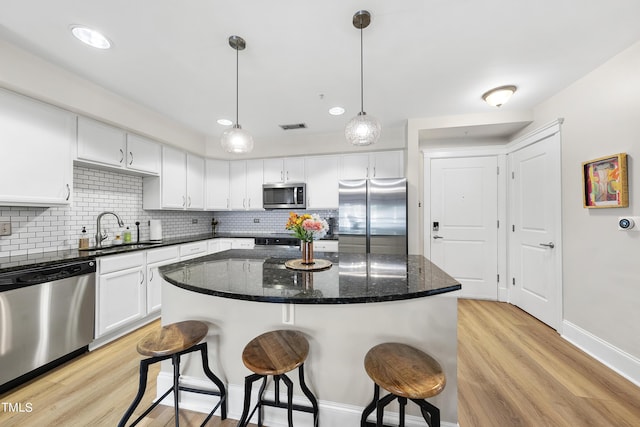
[
  {"x": 55, "y": 257},
  {"x": 260, "y": 275}
]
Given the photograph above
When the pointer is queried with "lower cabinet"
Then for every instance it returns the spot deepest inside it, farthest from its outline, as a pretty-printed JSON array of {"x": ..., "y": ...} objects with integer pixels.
[
  {"x": 121, "y": 291},
  {"x": 156, "y": 258},
  {"x": 325, "y": 245}
]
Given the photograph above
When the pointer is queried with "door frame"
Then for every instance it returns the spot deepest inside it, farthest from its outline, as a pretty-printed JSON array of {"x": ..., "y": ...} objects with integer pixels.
[
  {"x": 539, "y": 134},
  {"x": 500, "y": 153}
]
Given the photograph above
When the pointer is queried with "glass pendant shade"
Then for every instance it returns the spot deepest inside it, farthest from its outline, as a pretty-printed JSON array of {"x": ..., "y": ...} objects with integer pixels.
[
  {"x": 236, "y": 140},
  {"x": 362, "y": 129}
]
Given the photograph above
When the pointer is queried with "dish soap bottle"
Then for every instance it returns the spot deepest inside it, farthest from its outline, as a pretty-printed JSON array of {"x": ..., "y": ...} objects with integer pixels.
[
  {"x": 127, "y": 235},
  {"x": 83, "y": 242}
]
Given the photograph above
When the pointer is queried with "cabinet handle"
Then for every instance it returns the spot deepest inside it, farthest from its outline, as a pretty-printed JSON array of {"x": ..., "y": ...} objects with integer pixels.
[
  {"x": 366, "y": 172},
  {"x": 281, "y": 176},
  {"x": 141, "y": 277},
  {"x": 374, "y": 171},
  {"x": 227, "y": 203},
  {"x": 548, "y": 245},
  {"x": 438, "y": 237},
  {"x": 287, "y": 175},
  {"x": 244, "y": 203},
  {"x": 189, "y": 201},
  {"x": 131, "y": 157},
  {"x": 68, "y": 192},
  {"x": 121, "y": 155},
  {"x": 184, "y": 201},
  {"x": 249, "y": 204},
  {"x": 151, "y": 275}
]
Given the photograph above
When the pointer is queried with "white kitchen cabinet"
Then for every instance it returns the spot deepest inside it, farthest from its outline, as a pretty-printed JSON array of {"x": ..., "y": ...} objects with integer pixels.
[
  {"x": 36, "y": 162},
  {"x": 383, "y": 164},
  {"x": 216, "y": 184},
  {"x": 143, "y": 155},
  {"x": 121, "y": 291},
  {"x": 218, "y": 245},
  {"x": 245, "y": 184},
  {"x": 103, "y": 145},
  {"x": 181, "y": 184},
  {"x": 289, "y": 169},
  {"x": 193, "y": 250},
  {"x": 157, "y": 258},
  {"x": 325, "y": 245},
  {"x": 322, "y": 182},
  {"x": 242, "y": 243},
  {"x": 195, "y": 182}
]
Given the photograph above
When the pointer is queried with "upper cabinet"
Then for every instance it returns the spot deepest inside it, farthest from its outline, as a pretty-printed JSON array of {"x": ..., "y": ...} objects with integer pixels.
[
  {"x": 383, "y": 164},
  {"x": 103, "y": 145},
  {"x": 38, "y": 152},
  {"x": 216, "y": 184},
  {"x": 245, "y": 184},
  {"x": 322, "y": 182},
  {"x": 289, "y": 169},
  {"x": 180, "y": 185}
]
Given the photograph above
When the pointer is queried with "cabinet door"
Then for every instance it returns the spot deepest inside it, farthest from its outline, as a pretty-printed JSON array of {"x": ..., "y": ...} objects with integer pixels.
[
  {"x": 273, "y": 171},
  {"x": 354, "y": 166},
  {"x": 294, "y": 169},
  {"x": 174, "y": 178},
  {"x": 254, "y": 184},
  {"x": 37, "y": 163},
  {"x": 322, "y": 182},
  {"x": 216, "y": 184},
  {"x": 237, "y": 184},
  {"x": 143, "y": 154},
  {"x": 386, "y": 164},
  {"x": 121, "y": 299},
  {"x": 195, "y": 182},
  {"x": 100, "y": 143}
]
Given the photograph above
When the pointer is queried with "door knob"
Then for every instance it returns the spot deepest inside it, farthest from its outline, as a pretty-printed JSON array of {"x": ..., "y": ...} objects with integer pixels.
[
  {"x": 548, "y": 245},
  {"x": 438, "y": 237}
]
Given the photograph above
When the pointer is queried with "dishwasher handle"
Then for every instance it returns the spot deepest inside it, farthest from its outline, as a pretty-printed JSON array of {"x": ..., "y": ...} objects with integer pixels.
[{"x": 43, "y": 274}]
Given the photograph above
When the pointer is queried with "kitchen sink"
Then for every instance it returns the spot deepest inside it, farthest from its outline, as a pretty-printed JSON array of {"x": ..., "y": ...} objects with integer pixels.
[{"x": 119, "y": 248}]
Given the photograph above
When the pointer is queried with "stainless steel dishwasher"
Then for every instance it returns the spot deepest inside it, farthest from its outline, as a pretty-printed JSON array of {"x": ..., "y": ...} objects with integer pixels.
[{"x": 46, "y": 318}]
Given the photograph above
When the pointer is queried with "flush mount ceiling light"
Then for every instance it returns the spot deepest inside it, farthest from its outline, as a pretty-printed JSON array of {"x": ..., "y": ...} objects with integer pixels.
[
  {"x": 91, "y": 37},
  {"x": 498, "y": 96},
  {"x": 237, "y": 140},
  {"x": 336, "y": 111},
  {"x": 225, "y": 122},
  {"x": 362, "y": 129}
]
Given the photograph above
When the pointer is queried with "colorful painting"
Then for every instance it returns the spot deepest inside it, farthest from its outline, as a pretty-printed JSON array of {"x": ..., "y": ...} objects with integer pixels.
[{"x": 605, "y": 182}]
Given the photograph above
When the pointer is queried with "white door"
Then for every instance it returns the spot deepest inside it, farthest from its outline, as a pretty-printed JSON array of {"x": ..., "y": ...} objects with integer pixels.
[
  {"x": 534, "y": 262},
  {"x": 464, "y": 222}
]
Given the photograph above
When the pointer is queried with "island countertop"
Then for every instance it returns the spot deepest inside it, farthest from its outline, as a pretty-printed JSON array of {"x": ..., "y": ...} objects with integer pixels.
[{"x": 261, "y": 275}]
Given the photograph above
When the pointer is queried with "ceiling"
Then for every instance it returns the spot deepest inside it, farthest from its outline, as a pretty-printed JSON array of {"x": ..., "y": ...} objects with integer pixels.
[{"x": 422, "y": 58}]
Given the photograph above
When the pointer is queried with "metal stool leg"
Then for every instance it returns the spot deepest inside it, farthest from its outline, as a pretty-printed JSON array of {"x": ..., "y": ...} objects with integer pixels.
[
  {"x": 289, "y": 385},
  {"x": 380, "y": 408},
  {"x": 248, "y": 384},
  {"x": 403, "y": 403},
  {"x": 175, "y": 360},
  {"x": 428, "y": 409},
  {"x": 309, "y": 394},
  {"x": 371, "y": 406},
  {"x": 144, "y": 369},
  {"x": 216, "y": 381}
]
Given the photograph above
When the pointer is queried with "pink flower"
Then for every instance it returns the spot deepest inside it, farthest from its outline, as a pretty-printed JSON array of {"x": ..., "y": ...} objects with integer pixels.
[{"x": 311, "y": 225}]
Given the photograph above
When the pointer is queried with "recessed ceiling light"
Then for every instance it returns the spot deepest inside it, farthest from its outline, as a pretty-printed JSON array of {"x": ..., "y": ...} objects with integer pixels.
[
  {"x": 336, "y": 111},
  {"x": 91, "y": 37},
  {"x": 225, "y": 122}
]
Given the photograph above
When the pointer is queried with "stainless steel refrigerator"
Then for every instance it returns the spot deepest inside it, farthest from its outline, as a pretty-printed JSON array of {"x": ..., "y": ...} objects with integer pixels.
[{"x": 373, "y": 216}]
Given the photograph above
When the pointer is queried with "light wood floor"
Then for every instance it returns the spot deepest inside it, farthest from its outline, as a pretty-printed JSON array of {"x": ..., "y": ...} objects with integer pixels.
[
  {"x": 512, "y": 371},
  {"x": 515, "y": 371}
]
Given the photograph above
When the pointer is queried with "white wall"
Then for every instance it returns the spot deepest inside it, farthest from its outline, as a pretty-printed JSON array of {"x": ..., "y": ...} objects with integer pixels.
[
  {"x": 601, "y": 264},
  {"x": 25, "y": 73}
]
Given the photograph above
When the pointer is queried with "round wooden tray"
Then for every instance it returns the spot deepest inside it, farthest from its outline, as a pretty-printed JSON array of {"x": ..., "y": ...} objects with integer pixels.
[{"x": 318, "y": 264}]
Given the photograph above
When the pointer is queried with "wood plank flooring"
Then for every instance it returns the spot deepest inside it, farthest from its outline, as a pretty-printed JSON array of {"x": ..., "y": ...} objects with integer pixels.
[
  {"x": 515, "y": 371},
  {"x": 512, "y": 371}
]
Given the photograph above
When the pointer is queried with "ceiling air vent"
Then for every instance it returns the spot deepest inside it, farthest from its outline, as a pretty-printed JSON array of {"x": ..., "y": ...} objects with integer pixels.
[{"x": 294, "y": 126}]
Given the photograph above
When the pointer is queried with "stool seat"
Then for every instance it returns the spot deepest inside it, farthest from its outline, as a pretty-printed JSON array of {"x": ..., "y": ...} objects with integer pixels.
[
  {"x": 275, "y": 352},
  {"x": 404, "y": 371},
  {"x": 172, "y": 338}
]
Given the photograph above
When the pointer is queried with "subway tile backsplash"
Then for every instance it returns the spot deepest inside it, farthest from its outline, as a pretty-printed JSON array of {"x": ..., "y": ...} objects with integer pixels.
[{"x": 36, "y": 230}]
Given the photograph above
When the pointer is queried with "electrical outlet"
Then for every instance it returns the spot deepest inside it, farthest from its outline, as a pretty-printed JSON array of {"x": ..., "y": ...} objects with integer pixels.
[
  {"x": 194, "y": 221},
  {"x": 5, "y": 228},
  {"x": 256, "y": 220}
]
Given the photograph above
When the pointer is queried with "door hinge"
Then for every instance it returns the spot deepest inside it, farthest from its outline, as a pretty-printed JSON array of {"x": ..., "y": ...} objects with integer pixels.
[
  {"x": 498, "y": 170},
  {"x": 513, "y": 228},
  {"x": 498, "y": 223},
  {"x": 513, "y": 175},
  {"x": 513, "y": 281},
  {"x": 498, "y": 278}
]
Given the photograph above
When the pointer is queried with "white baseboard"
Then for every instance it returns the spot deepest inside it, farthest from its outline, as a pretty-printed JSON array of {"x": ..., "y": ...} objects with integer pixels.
[
  {"x": 623, "y": 363},
  {"x": 331, "y": 413}
]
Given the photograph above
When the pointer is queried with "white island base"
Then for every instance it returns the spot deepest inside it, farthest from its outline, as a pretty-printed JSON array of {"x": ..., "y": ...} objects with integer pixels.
[{"x": 339, "y": 336}]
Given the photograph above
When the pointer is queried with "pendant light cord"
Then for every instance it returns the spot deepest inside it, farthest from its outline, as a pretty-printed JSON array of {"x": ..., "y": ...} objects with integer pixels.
[
  {"x": 361, "y": 74},
  {"x": 237, "y": 74}
]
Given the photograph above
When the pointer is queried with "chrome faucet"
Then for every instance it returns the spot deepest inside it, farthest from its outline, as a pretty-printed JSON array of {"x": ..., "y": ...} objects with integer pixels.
[{"x": 100, "y": 237}]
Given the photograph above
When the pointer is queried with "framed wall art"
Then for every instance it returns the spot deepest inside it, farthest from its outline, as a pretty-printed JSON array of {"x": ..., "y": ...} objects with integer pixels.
[{"x": 605, "y": 182}]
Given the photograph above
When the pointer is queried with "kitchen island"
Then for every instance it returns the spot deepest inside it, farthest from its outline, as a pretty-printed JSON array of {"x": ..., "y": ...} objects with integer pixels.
[{"x": 358, "y": 302}]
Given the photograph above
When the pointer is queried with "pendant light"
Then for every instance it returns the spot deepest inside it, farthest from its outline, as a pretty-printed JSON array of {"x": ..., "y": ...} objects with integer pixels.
[
  {"x": 235, "y": 139},
  {"x": 362, "y": 129}
]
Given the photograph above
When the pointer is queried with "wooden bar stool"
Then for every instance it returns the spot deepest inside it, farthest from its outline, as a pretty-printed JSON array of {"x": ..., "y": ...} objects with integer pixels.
[
  {"x": 170, "y": 342},
  {"x": 274, "y": 354},
  {"x": 406, "y": 373}
]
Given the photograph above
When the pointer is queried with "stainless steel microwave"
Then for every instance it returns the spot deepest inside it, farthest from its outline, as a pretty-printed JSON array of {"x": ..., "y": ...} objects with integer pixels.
[{"x": 284, "y": 196}]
